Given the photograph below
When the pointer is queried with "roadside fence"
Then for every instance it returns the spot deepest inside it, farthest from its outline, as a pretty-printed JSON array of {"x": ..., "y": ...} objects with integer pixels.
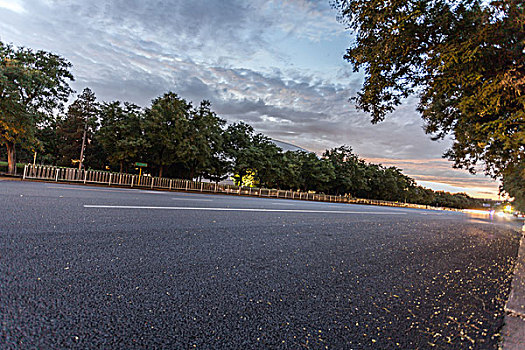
[{"x": 71, "y": 175}]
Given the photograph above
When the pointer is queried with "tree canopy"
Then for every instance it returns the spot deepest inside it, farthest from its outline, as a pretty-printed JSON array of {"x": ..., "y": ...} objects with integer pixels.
[
  {"x": 33, "y": 84},
  {"x": 121, "y": 133},
  {"x": 166, "y": 123},
  {"x": 188, "y": 142},
  {"x": 464, "y": 59}
]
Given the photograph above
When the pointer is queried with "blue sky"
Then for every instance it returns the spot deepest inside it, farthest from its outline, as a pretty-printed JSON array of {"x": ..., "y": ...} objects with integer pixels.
[{"x": 276, "y": 65}]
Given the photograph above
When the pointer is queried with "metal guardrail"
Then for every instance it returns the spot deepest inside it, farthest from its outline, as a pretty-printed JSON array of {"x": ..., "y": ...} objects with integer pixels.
[{"x": 50, "y": 173}]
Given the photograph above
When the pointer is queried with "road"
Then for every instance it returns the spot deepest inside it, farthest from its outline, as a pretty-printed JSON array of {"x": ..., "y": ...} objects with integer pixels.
[{"x": 97, "y": 267}]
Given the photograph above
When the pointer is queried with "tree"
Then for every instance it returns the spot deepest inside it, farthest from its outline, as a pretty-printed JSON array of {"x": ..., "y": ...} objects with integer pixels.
[
  {"x": 32, "y": 86},
  {"x": 205, "y": 153},
  {"x": 77, "y": 128},
  {"x": 121, "y": 133},
  {"x": 316, "y": 174},
  {"x": 268, "y": 161},
  {"x": 349, "y": 170},
  {"x": 463, "y": 58},
  {"x": 290, "y": 170},
  {"x": 252, "y": 155},
  {"x": 85, "y": 106},
  {"x": 165, "y": 127},
  {"x": 239, "y": 149},
  {"x": 514, "y": 184},
  {"x": 70, "y": 129},
  {"x": 47, "y": 135}
]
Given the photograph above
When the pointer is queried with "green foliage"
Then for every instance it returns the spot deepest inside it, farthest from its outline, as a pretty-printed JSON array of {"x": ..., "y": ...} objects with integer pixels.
[
  {"x": 70, "y": 129},
  {"x": 32, "y": 85},
  {"x": 248, "y": 152},
  {"x": 49, "y": 143},
  {"x": 514, "y": 184},
  {"x": 81, "y": 116},
  {"x": 121, "y": 133},
  {"x": 349, "y": 170},
  {"x": 206, "y": 156},
  {"x": 192, "y": 142},
  {"x": 166, "y": 123},
  {"x": 248, "y": 180},
  {"x": 463, "y": 58}
]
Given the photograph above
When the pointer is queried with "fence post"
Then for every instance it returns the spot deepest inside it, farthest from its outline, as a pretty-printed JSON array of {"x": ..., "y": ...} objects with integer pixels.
[
  {"x": 202, "y": 186},
  {"x": 25, "y": 171},
  {"x": 171, "y": 182},
  {"x": 85, "y": 176},
  {"x": 132, "y": 179},
  {"x": 110, "y": 176},
  {"x": 215, "y": 187},
  {"x": 187, "y": 182},
  {"x": 56, "y": 177},
  {"x": 152, "y": 181}
]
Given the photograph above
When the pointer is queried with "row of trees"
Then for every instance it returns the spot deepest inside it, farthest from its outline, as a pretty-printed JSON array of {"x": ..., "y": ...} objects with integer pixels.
[
  {"x": 174, "y": 137},
  {"x": 179, "y": 140}
]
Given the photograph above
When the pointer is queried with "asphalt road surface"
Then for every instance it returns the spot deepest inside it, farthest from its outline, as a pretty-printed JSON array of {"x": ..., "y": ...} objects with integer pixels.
[{"x": 96, "y": 267}]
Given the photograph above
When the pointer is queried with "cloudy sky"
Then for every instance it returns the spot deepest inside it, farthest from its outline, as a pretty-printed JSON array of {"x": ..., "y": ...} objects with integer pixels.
[{"x": 276, "y": 65}]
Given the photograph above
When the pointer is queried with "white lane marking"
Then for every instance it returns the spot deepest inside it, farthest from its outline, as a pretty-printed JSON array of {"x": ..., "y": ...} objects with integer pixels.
[
  {"x": 277, "y": 203},
  {"x": 193, "y": 199},
  {"x": 241, "y": 209}
]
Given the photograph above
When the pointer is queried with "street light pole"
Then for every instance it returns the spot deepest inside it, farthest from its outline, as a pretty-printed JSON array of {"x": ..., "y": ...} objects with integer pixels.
[{"x": 83, "y": 146}]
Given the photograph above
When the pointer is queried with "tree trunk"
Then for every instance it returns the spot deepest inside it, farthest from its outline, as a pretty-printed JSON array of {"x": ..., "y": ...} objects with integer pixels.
[
  {"x": 121, "y": 166},
  {"x": 160, "y": 170},
  {"x": 11, "y": 158}
]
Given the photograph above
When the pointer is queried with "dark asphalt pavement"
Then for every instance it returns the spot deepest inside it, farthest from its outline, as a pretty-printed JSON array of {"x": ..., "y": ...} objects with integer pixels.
[{"x": 285, "y": 274}]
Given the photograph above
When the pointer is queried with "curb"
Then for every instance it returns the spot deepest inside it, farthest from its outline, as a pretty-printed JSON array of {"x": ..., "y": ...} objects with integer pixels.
[
  {"x": 10, "y": 178},
  {"x": 514, "y": 322}
]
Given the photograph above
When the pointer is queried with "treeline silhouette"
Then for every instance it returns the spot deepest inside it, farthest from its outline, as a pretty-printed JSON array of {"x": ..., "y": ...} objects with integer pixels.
[{"x": 179, "y": 140}]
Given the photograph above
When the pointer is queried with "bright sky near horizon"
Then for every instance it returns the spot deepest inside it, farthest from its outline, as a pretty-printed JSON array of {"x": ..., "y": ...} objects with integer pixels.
[{"x": 276, "y": 65}]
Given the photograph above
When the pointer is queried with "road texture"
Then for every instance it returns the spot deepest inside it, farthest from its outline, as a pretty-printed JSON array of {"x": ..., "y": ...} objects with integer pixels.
[{"x": 93, "y": 267}]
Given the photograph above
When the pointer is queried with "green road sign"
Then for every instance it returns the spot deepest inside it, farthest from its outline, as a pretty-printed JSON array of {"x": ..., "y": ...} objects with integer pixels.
[{"x": 141, "y": 164}]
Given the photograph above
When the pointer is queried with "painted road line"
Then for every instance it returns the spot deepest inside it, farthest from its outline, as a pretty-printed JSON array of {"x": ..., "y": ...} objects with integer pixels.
[
  {"x": 277, "y": 203},
  {"x": 151, "y": 192},
  {"x": 193, "y": 199},
  {"x": 241, "y": 209}
]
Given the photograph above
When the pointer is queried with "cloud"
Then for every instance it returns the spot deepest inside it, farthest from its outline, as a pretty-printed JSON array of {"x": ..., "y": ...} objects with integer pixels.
[{"x": 12, "y": 5}]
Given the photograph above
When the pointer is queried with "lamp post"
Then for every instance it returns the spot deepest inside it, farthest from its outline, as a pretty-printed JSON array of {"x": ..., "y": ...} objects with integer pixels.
[{"x": 83, "y": 146}]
